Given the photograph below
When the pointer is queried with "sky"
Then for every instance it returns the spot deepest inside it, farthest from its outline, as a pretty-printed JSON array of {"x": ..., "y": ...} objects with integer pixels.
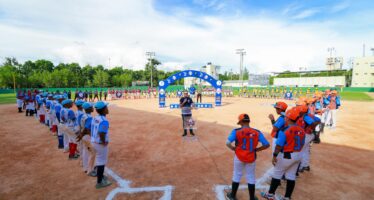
[{"x": 277, "y": 35}]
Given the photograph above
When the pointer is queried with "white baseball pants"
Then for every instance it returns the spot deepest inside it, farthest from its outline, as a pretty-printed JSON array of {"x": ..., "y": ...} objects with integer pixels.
[
  {"x": 287, "y": 167},
  {"x": 250, "y": 168},
  {"x": 306, "y": 150}
]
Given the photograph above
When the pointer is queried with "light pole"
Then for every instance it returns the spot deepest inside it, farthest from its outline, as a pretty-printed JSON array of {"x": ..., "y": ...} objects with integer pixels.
[
  {"x": 150, "y": 55},
  {"x": 241, "y": 52}
]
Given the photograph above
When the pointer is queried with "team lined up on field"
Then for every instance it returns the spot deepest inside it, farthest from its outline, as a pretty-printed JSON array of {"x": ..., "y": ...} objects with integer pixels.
[{"x": 80, "y": 133}]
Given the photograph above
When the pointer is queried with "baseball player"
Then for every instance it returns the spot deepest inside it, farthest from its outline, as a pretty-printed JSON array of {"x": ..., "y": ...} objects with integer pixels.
[
  {"x": 20, "y": 99},
  {"x": 70, "y": 128},
  {"x": 279, "y": 124},
  {"x": 58, "y": 108},
  {"x": 308, "y": 122},
  {"x": 100, "y": 140},
  {"x": 333, "y": 104},
  {"x": 186, "y": 105},
  {"x": 96, "y": 95},
  {"x": 88, "y": 152},
  {"x": 246, "y": 140},
  {"x": 287, "y": 155},
  {"x": 79, "y": 114}
]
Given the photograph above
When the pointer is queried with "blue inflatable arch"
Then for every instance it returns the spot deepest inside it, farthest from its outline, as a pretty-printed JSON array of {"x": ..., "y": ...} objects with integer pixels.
[{"x": 162, "y": 85}]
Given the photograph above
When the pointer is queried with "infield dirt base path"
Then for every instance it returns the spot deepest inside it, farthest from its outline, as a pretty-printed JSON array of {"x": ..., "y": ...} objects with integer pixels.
[{"x": 147, "y": 148}]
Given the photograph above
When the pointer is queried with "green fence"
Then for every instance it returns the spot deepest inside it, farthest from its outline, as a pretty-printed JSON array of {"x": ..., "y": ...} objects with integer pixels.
[{"x": 181, "y": 87}]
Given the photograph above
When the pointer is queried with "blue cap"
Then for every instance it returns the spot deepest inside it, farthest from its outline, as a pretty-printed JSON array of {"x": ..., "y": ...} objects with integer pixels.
[
  {"x": 87, "y": 105},
  {"x": 50, "y": 95},
  {"x": 100, "y": 104},
  {"x": 66, "y": 101},
  {"x": 45, "y": 94},
  {"x": 79, "y": 102}
]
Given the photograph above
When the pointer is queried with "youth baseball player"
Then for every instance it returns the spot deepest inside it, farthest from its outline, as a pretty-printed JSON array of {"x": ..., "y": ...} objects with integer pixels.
[
  {"x": 20, "y": 99},
  {"x": 100, "y": 141},
  {"x": 88, "y": 152},
  {"x": 246, "y": 140},
  {"x": 79, "y": 114},
  {"x": 71, "y": 128},
  {"x": 279, "y": 124},
  {"x": 58, "y": 108},
  {"x": 287, "y": 155},
  {"x": 333, "y": 106}
]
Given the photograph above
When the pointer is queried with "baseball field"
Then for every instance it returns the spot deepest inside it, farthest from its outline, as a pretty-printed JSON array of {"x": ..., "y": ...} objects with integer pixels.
[{"x": 148, "y": 158}]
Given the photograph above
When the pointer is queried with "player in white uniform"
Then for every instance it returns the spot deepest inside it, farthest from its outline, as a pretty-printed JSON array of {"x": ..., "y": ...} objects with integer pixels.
[
  {"x": 246, "y": 140},
  {"x": 100, "y": 140},
  {"x": 58, "y": 108},
  {"x": 88, "y": 152},
  {"x": 78, "y": 114},
  {"x": 72, "y": 128}
]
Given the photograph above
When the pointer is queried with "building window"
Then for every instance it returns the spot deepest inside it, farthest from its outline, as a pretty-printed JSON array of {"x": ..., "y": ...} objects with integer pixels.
[
  {"x": 356, "y": 74},
  {"x": 371, "y": 64},
  {"x": 357, "y": 63},
  {"x": 364, "y": 83},
  {"x": 366, "y": 73}
]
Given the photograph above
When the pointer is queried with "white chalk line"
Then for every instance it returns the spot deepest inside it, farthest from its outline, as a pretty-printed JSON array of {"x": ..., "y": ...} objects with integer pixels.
[
  {"x": 124, "y": 187},
  {"x": 261, "y": 184}
]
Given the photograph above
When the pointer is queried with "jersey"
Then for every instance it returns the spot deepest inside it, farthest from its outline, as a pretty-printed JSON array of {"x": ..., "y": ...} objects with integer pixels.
[
  {"x": 279, "y": 124},
  {"x": 246, "y": 140},
  {"x": 58, "y": 108},
  {"x": 79, "y": 114},
  {"x": 99, "y": 124},
  {"x": 292, "y": 139}
]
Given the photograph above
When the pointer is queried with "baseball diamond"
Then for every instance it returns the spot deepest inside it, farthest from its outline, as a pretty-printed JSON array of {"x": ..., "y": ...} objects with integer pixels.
[{"x": 174, "y": 168}]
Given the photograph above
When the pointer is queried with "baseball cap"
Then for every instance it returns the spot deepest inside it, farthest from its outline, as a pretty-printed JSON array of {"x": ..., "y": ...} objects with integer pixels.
[
  {"x": 293, "y": 113},
  {"x": 243, "y": 117},
  {"x": 86, "y": 105},
  {"x": 79, "y": 103},
  {"x": 302, "y": 108},
  {"x": 310, "y": 100},
  {"x": 300, "y": 103},
  {"x": 281, "y": 105},
  {"x": 66, "y": 101},
  {"x": 100, "y": 104}
]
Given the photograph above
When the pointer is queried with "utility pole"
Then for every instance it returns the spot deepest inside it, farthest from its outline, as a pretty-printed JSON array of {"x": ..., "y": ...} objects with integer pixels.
[
  {"x": 241, "y": 52},
  {"x": 151, "y": 55}
]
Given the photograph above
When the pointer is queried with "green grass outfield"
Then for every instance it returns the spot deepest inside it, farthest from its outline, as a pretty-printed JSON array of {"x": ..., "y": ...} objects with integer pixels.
[
  {"x": 8, "y": 98},
  {"x": 347, "y": 96}
]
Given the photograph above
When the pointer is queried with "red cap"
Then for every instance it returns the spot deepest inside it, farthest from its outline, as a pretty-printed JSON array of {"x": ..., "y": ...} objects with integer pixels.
[
  {"x": 292, "y": 113},
  {"x": 243, "y": 117},
  {"x": 281, "y": 105}
]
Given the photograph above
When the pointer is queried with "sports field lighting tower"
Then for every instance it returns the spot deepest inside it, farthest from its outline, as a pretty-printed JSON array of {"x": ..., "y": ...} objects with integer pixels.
[
  {"x": 241, "y": 52},
  {"x": 151, "y": 55}
]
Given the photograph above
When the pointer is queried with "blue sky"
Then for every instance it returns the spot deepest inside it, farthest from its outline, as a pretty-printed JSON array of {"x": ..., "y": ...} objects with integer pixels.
[{"x": 276, "y": 34}]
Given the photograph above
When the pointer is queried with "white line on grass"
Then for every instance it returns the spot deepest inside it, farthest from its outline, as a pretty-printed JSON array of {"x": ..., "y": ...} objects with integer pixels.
[{"x": 124, "y": 187}]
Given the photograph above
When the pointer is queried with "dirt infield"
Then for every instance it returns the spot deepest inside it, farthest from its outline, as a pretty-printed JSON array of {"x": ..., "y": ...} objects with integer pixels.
[{"x": 147, "y": 149}]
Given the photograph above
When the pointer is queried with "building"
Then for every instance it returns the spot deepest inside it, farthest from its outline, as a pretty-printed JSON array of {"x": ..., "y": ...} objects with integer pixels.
[
  {"x": 321, "y": 81},
  {"x": 258, "y": 79},
  {"x": 334, "y": 63},
  {"x": 363, "y": 72},
  {"x": 210, "y": 69}
]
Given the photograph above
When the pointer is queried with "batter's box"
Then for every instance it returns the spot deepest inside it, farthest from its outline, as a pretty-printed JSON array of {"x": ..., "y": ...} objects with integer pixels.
[
  {"x": 261, "y": 184},
  {"x": 124, "y": 187}
]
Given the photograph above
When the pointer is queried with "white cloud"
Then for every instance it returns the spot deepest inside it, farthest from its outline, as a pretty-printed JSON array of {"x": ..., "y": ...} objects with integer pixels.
[
  {"x": 307, "y": 13},
  {"x": 94, "y": 31}
]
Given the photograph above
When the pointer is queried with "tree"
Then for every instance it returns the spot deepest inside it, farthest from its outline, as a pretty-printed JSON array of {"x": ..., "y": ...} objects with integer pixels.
[
  {"x": 101, "y": 79},
  {"x": 43, "y": 65},
  {"x": 245, "y": 73},
  {"x": 151, "y": 68}
]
